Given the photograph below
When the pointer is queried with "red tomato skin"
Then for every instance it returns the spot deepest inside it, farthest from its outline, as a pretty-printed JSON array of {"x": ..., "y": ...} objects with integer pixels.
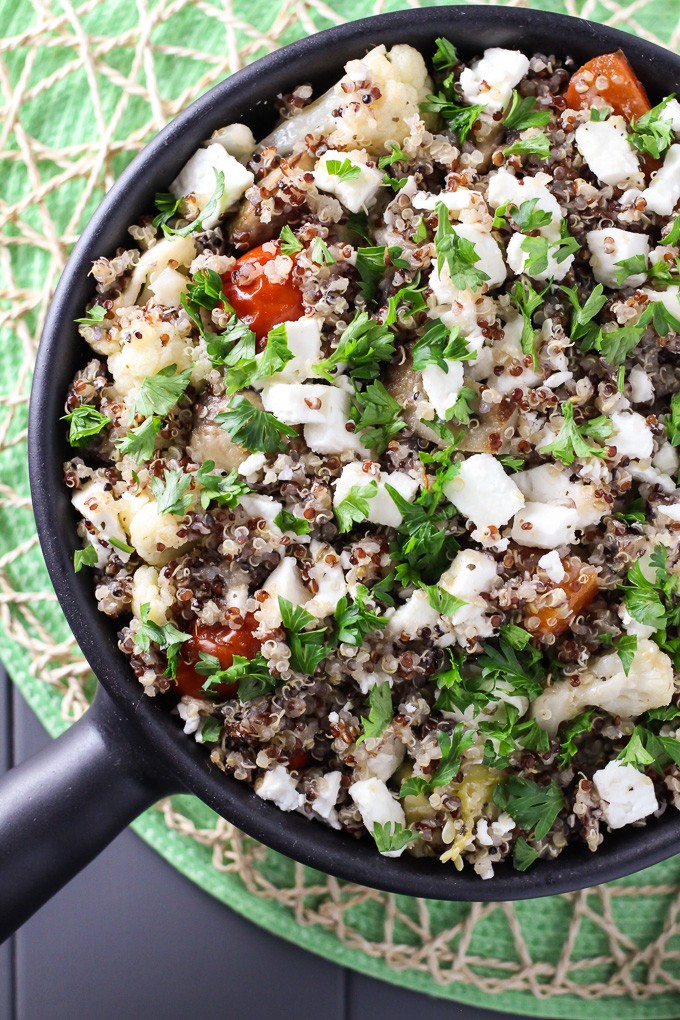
[
  {"x": 625, "y": 95},
  {"x": 260, "y": 303},
  {"x": 222, "y": 642}
]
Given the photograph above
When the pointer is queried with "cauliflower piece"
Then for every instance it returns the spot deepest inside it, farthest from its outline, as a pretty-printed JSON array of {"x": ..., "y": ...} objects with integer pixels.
[
  {"x": 626, "y": 794},
  {"x": 154, "y": 535},
  {"x": 649, "y": 684},
  {"x": 173, "y": 252},
  {"x": 237, "y": 139},
  {"x": 147, "y": 591},
  {"x": 100, "y": 510},
  {"x": 153, "y": 345}
]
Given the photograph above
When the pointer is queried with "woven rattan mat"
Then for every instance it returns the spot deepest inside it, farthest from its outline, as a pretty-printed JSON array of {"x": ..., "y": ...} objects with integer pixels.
[{"x": 82, "y": 87}]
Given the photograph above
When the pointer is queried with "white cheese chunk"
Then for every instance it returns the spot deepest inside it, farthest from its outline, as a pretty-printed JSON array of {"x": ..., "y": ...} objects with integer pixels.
[
  {"x": 632, "y": 436},
  {"x": 278, "y": 786},
  {"x": 505, "y": 188},
  {"x": 199, "y": 177},
  {"x": 99, "y": 507},
  {"x": 330, "y": 434},
  {"x": 237, "y": 139},
  {"x": 671, "y": 510},
  {"x": 649, "y": 684},
  {"x": 295, "y": 403},
  {"x": 664, "y": 190},
  {"x": 265, "y": 507},
  {"x": 460, "y": 306},
  {"x": 539, "y": 525},
  {"x": 326, "y": 791},
  {"x": 356, "y": 193},
  {"x": 484, "y": 493},
  {"x": 489, "y": 254},
  {"x": 641, "y": 386},
  {"x": 671, "y": 113},
  {"x": 410, "y": 618},
  {"x": 553, "y": 566},
  {"x": 611, "y": 245},
  {"x": 303, "y": 337},
  {"x": 329, "y": 578},
  {"x": 517, "y": 260},
  {"x": 669, "y": 298},
  {"x": 605, "y": 147},
  {"x": 442, "y": 388},
  {"x": 455, "y": 201},
  {"x": 556, "y": 507},
  {"x": 285, "y": 580},
  {"x": 667, "y": 459},
  {"x": 146, "y": 592},
  {"x": 377, "y": 804},
  {"x": 489, "y": 82},
  {"x": 381, "y": 508},
  {"x": 627, "y": 795}
]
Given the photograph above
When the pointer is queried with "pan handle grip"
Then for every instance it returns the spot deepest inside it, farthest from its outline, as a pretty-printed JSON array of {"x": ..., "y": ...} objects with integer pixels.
[{"x": 60, "y": 808}]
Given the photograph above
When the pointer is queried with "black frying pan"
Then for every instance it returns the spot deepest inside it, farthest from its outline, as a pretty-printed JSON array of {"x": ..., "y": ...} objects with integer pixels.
[{"x": 62, "y": 807}]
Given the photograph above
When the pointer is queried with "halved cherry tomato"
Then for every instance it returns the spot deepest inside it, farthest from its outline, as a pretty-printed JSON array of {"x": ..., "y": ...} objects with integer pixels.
[
  {"x": 260, "y": 303},
  {"x": 222, "y": 642},
  {"x": 611, "y": 77},
  {"x": 580, "y": 585}
]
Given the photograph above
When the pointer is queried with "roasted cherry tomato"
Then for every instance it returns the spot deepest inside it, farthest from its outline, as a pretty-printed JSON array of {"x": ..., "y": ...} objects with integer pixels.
[
  {"x": 257, "y": 301},
  {"x": 222, "y": 642},
  {"x": 611, "y": 77},
  {"x": 580, "y": 585}
]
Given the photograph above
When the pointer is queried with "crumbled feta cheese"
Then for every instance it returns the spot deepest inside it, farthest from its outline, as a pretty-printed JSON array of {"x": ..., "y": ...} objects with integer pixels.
[
  {"x": 671, "y": 510},
  {"x": 285, "y": 580},
  {"x": 412, "y": 616},
  {"x": 442, "y": 388},
  {"x": 611, "y": 245},
  {"x": 329, "y": 578},
  {"x": 627, "y": 795},
  {"x": 265, "y": 507},
  {"x": 489, "y": 82},
  {"x": 455, "y": 201},
  {"x": 383, "y": 756},
  {"x": 671, "y": 113},
  {"x": 669, "y": 298},
  {"x": 641, "y": 386},
  {"x": 667, "y": 459},
  {"x": 330, "y": 434},
  {"x": 471, "y": 575},
  {"x": 278, "y": 786},
  {"x": 377, "y": 804},
  {"x": 632, "y": 436},
  {"x": 553, "y": 566},
  {"x": 484, "y": 493},
  {"x": 664, "y": 190},
  {"x": 303, "y": 337},
  {"x": 489, "y": 254},
  {"x": 356, "y": 193},
  {"x": 295, "y": 403},
  {"x": 632, "y": 626},
  {"x": 649, "y": 684},
  {"x": 98, "y": 507},
  {"x": 517, "y": 260},
  {"x": 556, "y": 507},
  {"x": 539, "y": 525},
  {"x": 557, "y": 379},
  {"x": 326, "y": 791},
  {"x": 381, "y": 508},
  {"x": 199, "y": 175},
  {"x": 505, "y": 188},
  {"x": 460, "y": 306},
  {"x": 252, "y": 465},
  {"x": 605, "y": 147}
]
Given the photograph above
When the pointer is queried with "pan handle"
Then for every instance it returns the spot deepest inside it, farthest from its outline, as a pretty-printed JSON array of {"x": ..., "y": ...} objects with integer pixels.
[{"x": 59, "y": 809}]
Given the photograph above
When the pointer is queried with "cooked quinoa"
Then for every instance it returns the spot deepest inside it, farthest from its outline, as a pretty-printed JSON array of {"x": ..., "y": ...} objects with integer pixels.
[{"x": 376, "y": 456}]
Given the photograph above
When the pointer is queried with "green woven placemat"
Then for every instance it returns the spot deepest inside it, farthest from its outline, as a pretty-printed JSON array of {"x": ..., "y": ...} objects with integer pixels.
[{"x": 82, "y": 88}]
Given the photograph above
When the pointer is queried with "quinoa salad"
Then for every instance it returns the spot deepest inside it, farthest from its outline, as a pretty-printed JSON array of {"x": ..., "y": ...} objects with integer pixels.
[{"x": 376, "y": 454}]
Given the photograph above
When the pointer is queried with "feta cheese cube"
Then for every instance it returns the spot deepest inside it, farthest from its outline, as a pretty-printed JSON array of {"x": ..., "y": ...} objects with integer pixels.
[
  {"x": 504, "y": 188},
  {"x": 489, "y": 254},
  {"x": 381, "y": 508},
  {"x": 541, "y": 525},
  {"x": 664, "y": 190},
  {"x": 455, "y": 201},
  {"x": 278, "y": 786},
  {"x": 632, "y": 437},
  {"x": 285, "y": 580},
  {"x": 265, "y": 507},
  {"x": 517, "y": 260},
  {"x": 671, "y": 510},
  {"x": 667, "y": 459},
  {"x": 605, "y": 147},
  {"x": 489, "y": 82},
  {"x": 377, "y": 804},
  {"x": 484, "y": 493},
  {"x": 442, "y": 388},
  {"x": 98, "y": 506},
  {"x": 460, "y": 306},
  {"x": 303, "y": 337},
  {"x": 410, "y": 618},
  {"x": 669, "y": 297},
  {"x": 553, "y": 566},
  {"x": 329, "y": 577},
  {"x": 471, "y": 575},
  {"x": 611, "y": 245},
  {"x": 641, "y": 386},
  {"x": 199, "y": 175},
  {"x": 295, "y": 403},
  {"x": 626, "y": 794},
  {"x": 326, "y": 792},
  {"x": 671, "y": 113},
  {"x": 330, "y": 433},
  {"x": 356, "y": 193}
]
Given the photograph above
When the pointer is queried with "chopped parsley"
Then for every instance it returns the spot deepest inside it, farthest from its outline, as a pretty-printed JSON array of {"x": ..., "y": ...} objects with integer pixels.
[
  {"x": 438, "y": 345},
  {"x": 673, "y": 235},
  {"x": 307, "y": 647},
  {"x": 523, "y": 113},
  {"x": 633, "y": 266},
  {"x": 571, "y": 439},
  {"x": 371, "y": 263},
  {"x": 392, "y": 836},
  {"x": 672, "y": 421},
  {"x": 86, "y": 557},
  {"x": 535, "y": 145},
  {"x": 460, "y": 119},
  {"x": 533, "y": 807},
  {"x": 584, "y": 330},
  {"x": 523, "y": 855},
  {"x": 571, "y": 732},
  {"x": 396, "y": 155},
  {"x": 527, "y": 301},
  {"x": 652, "y": 133},
  {"x": 441, "y": 600},
  {"x": 451, "y": 745},
  {"x": 445, "y": 56},
  {"x": 288, "y": 242},
  {"x": 528, "y": 216},
  {"x": 343, "y": 169},
  {"x": 171, "y": 492},
  {"x": 289, "y": 522},
  {"x": 380, "y": 712},
  {"x": 354, "y": 620},
  {"x": 319, "y": 252},
  {"x": 225, "y": 490},
  {"x": 363, "y": 345},
  {"x": 252, "y": 675},
  {"x": 376, "y": 416},
  {"x": 354, "y": 507},
  {"x": 457, "y": 253},
  {"x": 643, "y": 599},
  {"x": 521, "y": 669},
  {"x": 421, "y": 549},
  {"x": 140, "y": 442},
  {"x": 167, "y": 637},
  {"x": 85, "y": 421},
  {"x": 159, "y": 393},
  {"x": 122, "y": 546},
  {"x": 275, "y": 355},
  {"x": 96, "y": 315},
  {"x": 599, "y": 115},
  {"x": 256, "y": 430},
  {"x": 409, "y": 298},
  {"x": 626, "y": 647}
]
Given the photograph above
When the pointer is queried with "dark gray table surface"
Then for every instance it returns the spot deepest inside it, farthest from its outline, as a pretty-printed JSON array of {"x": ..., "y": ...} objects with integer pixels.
[{"x": 131, "y": 938}]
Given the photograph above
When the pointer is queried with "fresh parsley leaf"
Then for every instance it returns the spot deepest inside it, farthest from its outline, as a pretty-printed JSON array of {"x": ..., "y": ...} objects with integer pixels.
[
  {"x": 289, "y": 522},
  {"x": 159, "y": 393},
  {"x": 409, "y": 297},
  {"x": 357, "y": 223},
  {"x": 528, "y": 217},
  {"x": 566, "y": 246},
  {"x": 380, "y": 713},
  {"x": 536, "y": 249},
  {"x": 380, "y": 592},
  {"x": 462, "y": 409},
  {"x": 371, "y": 263},
  {"x": 634, "y": 753},
  {"x": 535, "y": 145},
  {"x": 457, "y": 253},
  {"x": 440, "y": 344},
  {"x": 523, "y": 855},
  {"x": 635, "y": 513},
  {"x": 85, "y": 421},
  {"x": 533, "y": 807},
  {"x": 441, "y": 600},
  {"x": 294, "y": 618},
  {"x": 584, "y": 330},
  {"x": 171, "y": 492},
  {"x": 527, "y": 301},
  {"x": 168, "y": 207},
  {"x": 354, "y": 620},
  {"x": 517, "y": 637},
  {"x": 626, "y": 648},
  {"x": 396, "y": 155},
  {"x": 288, "y": 242},
  {"x": 615, "y": 345},
  {"x": 460, "y": 119},
  {"x": 96, "y": 315},
  {"x": 452, "y": 746},
  {"x": 652, "y": 133},
  {"x": 420, "y": 233},
  {"x": 206, "y": 212},
  {"x": 256, "y": 430},
  {"x": 86, "y": 557},
  {"x": 252, "y": 675},
  {"x": 275, "y": 355},
  {"x": 376, "y": 415},
  {"x": 524, "y": 114},
  {"x": 445, "y": 55},
  {"x": 571, "y": 439},
  {"x": 140, "y": 441},
  {"x": 630, "y": 267},
  {"x": 574, "y": 729},
  {"x": 343, "y": 169},
  {"x": 320, "y": 253},
  {"x": 211, "y": 730},
  {"x": 672, "y": 422},
  {"x": 225, "y": 490},
  {"x": 599, "y": 115},
  {"x": 307, "y": 648},
  {"x": 512, "y": 463},
  {"x": 673, "y": 235},
  {"x": 363, "y": 346},
  {"x": 354, "y": 507},
  {"x": 167, "y": 637},
  {"x": 643, "y": 600},
  {"x": 392, "y": 836},
  {"x": 520, "y": 669}
]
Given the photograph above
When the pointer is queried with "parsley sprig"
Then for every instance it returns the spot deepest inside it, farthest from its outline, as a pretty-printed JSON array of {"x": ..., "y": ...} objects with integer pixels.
[
  {"x": 452, "y": 746},
  {"x": 392, "y": 836},
  {"x": 533, "y": 807},
  {"x": 85, "y": 421},
  {"x": 457, "y": 253},
  {"x": 523, "y": 113},
  {"x": 376, "y": 415},
  {"x": 652, "y": 133},
  {"x": 256, "y": 430},
  {"x": 167, "y": 637},
  {"x": 363, "y": 345},
  {"x": 571, "y": 440},
  {"x": 380, "y": 712}
]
